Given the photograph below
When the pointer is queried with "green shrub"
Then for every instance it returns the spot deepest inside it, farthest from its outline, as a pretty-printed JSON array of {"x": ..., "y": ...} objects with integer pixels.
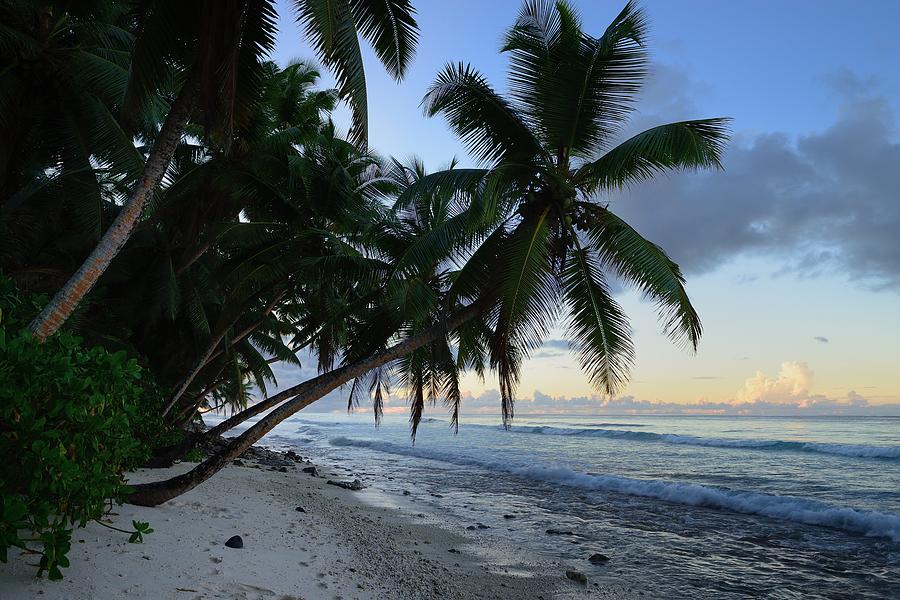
[{"x": 68, "y": 416}]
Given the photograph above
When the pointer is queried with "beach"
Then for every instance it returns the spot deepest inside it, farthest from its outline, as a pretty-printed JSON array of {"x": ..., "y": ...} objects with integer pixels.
[
  {"x": 342, "y": 544},
  {"x": 809, "y": 507}
]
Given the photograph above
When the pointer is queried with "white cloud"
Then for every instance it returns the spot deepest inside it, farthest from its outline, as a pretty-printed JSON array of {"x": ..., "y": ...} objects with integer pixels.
[{"x": 790, "y": 386}]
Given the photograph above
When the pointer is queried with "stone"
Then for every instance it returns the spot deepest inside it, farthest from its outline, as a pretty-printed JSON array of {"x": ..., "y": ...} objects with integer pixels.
[
  {"x": 598, "y": 559},
  {"x": 291, "y": 455},
  {"x": 406, "y": 492},
  {"x": 300, "y": 509},
  {"x": 552, "y": 531},
  {"x": 282, "y": 469},
  {"x": 311, "y": 470},
  {"x": 509, "y": 516},
  {"x": 577, "y": 576},
  {"x": 354, "y": 485},
  {"x": 483, "y": 526},
  {"x": 237, "y": 462},
  {"x": 235, "y": 541}
]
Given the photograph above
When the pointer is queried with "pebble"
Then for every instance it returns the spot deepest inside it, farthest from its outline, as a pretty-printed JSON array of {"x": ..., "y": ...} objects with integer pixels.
[{"x": 577, "y": 576}]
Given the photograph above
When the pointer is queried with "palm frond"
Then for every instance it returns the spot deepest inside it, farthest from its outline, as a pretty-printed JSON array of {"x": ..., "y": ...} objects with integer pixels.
[
  {"x": 390, "y": 26},
  {"x": 695, "y": 144},
  {"x": 645, "y": 265},
  {"x": 597, "y": 327},
  {"x": 528, "y": 303},
  {"x": 578, "y": 89},
  {"x": 330, "y": 28},
  {"x": 490, "y": 127}
]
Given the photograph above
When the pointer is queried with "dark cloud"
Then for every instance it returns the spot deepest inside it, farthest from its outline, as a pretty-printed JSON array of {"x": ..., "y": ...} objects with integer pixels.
[
  {"x": 822, "y": 203},
  {"x": 821, "y": 339}
]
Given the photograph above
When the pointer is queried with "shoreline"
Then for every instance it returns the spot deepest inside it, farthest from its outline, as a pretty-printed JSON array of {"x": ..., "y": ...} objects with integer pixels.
[{"x": 343, "y": 544}]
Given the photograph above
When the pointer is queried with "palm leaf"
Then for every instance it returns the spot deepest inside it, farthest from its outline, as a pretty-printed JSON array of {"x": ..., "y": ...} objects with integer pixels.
[
  {"x": 597, "y": 327},
  {"x": 331, "y": 30},
  {"x": 695, "y": 144},
  {"x": 645, "y": 265},
  {"x": 528, "y": 304},
  {"x": 577, "y": 89},
  {"x": 490, "y": 127},
  {"x": 390, "y": 26}
]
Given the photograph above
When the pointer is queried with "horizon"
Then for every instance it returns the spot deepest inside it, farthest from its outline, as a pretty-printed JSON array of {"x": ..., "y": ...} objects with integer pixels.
[{"x": 793, "y": 268}]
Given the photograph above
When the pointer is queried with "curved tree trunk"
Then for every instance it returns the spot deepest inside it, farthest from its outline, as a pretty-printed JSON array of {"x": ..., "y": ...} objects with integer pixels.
[
  {"x": 152, "y": 494},
  {"x": 64, "y": 302}
]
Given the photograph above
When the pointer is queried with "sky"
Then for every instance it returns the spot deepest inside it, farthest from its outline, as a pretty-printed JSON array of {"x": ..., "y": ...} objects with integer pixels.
[{"x": 792, "y": 253}]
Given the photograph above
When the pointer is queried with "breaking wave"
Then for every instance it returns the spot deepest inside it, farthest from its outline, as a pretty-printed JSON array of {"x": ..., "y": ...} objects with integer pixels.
[
  {"x": 799, "y": 510},
  {"x": 852, "y": 450}
]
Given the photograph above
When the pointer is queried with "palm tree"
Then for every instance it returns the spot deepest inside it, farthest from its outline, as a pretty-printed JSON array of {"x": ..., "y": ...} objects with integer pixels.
[
  {"x": 217, "y": 49},
  {"x": 63, "y": 150},
  {"x": 553, "y": 140},
  {"x": 536, "y": 237}
]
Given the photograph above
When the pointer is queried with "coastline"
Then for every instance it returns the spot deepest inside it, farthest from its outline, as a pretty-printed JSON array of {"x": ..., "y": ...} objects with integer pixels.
[{"x": 344, "y": 544}]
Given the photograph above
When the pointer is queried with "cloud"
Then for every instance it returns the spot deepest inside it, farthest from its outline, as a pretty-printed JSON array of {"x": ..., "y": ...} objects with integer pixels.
[
  {"x": 801, "y": 405},
  {"x": 548, "y": 354},
  {"x": 820, "y": 203},
  {"x": 821, "y": 339},
  {"x": 556, "y": 344},
  {"x": 787, "y": 393},
  {"x": 791, "y": 384}
]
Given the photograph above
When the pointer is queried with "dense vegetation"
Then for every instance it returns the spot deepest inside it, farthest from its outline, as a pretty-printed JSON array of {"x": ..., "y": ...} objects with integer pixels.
[
  {"x": 72, "y": 419},
  {"x": 197, "y": 217}
]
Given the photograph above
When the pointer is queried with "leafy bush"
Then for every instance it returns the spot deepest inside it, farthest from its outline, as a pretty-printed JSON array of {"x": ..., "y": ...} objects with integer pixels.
[{"x": 67, "y": 432}]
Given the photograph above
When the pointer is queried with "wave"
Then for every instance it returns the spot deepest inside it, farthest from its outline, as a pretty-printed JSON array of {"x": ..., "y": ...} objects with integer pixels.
[
  {"x": 799, "y": 510},
  {"x": 851, "y": 450}
]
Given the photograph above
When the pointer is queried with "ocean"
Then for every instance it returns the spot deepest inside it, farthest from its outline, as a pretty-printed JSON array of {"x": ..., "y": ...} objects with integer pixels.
[{"x": 700, "y": 507}]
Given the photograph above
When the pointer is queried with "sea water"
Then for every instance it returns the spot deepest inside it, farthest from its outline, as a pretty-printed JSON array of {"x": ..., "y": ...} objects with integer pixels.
[{"x": 700, "y": 507}]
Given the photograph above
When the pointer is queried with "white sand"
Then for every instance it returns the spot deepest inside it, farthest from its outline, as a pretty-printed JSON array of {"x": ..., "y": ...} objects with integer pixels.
[{"x": 346, "y": 545}]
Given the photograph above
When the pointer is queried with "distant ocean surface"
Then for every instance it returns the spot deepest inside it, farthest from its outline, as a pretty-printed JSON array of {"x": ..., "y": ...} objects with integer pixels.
[{"x": 700, "y": 507}]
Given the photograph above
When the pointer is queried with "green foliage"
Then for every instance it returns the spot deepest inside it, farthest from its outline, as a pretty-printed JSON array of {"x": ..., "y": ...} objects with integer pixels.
[
  {"x": 140, "y": 528},
  {"x": 68, "y": 415},
  {"x": 195, "y": 455}
]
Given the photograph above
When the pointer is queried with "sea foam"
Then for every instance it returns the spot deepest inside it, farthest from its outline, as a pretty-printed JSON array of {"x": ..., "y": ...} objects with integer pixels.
[{"x": 799, "y": 510}]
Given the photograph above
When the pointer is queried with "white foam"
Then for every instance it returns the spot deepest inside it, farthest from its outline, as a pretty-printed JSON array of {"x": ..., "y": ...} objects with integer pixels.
[{"x": 799, "y": 510}]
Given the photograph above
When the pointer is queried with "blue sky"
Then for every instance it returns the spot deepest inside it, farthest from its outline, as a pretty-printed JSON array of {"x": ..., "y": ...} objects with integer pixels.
[{"x": 791, "y": 254}]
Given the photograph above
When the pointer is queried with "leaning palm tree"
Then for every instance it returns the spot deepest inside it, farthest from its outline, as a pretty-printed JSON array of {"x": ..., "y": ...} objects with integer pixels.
[
  {"x": 216, "y": 50},
  {"x": 537, "y": 237}
]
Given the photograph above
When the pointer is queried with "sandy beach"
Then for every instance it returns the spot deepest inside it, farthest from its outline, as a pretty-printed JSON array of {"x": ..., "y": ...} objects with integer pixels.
[{"x": 343, "y": 545}]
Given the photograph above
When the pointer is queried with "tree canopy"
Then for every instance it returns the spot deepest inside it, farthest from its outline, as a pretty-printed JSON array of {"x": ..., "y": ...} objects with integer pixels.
[{"x": 193, "y": 207}]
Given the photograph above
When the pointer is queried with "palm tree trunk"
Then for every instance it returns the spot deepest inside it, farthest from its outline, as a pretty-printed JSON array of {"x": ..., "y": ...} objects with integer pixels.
[
  {"x": 64, "y": 302},
  {"x": 262, "y": 406},
  {"x": 153, "y": 494}
]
